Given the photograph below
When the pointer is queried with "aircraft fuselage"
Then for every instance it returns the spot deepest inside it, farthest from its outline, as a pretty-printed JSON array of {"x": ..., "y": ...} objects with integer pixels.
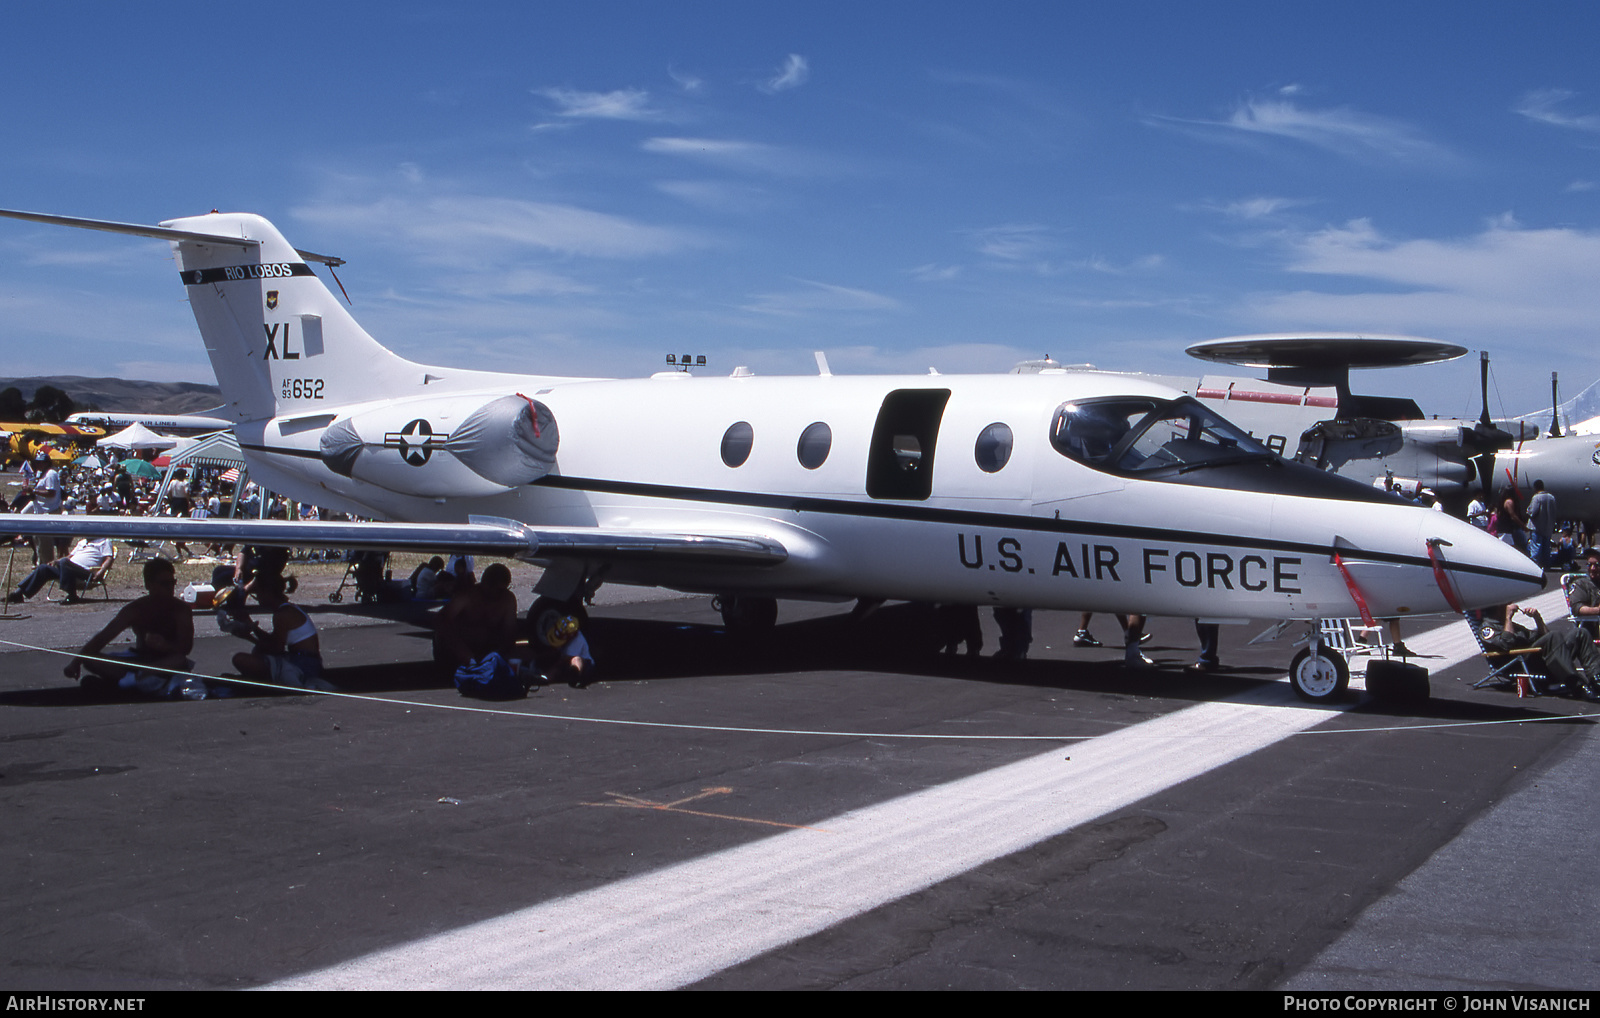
[{"x": 1043, "y": 530}]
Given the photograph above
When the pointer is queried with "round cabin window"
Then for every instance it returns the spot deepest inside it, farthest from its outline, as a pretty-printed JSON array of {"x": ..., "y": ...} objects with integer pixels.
[
  {"x": 815, "y": 442},
  {"x": 736, "y": 443},
  {"x": 993, "y": 450}
]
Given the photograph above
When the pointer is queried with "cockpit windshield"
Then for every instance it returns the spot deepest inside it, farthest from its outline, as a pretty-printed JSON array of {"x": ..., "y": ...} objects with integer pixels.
[{"x": 1146, "y": 436}]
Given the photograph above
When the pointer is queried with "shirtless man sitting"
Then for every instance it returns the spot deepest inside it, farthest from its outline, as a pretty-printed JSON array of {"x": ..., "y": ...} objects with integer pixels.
[{"x": 163, "y": 631}]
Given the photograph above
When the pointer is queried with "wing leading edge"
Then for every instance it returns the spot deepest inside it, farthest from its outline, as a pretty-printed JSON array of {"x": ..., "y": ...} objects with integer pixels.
[{"x": 483, "y": 535}]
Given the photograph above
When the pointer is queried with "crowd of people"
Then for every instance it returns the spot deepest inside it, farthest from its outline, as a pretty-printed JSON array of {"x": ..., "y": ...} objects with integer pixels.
[
  {"x": 72, "y": 488},
  {"x": 1534, "y": 527}
]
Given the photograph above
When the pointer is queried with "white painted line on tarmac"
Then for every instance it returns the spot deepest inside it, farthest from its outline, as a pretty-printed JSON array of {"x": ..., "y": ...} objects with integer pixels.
[{"x": 676, "y": 925}]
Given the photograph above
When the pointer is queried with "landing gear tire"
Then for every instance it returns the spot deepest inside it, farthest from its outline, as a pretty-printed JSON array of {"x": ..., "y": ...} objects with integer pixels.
[
  {"x": 742, "y": 613},
  {"x": 546, "y": 610},
  {"x": 1397, "y": 682},
  {"x": 1322, "y": 677}
]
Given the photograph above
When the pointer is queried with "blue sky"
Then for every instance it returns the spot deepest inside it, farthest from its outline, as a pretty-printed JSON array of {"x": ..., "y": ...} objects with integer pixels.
[{"x": 585, "y": 187}]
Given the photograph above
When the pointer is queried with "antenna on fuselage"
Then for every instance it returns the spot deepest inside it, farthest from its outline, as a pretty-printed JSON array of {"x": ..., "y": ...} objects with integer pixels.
[
  {"x": 683, "y": 362},
  {"x": 822, "y": 363},
  {"x": 1555, "y": 406}
]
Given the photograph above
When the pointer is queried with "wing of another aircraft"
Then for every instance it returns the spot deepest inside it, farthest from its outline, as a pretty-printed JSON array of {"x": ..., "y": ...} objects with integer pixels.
[{"x": 484, "y": 535}]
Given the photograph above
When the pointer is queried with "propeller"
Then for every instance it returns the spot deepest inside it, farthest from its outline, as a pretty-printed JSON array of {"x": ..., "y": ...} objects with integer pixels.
[{"x": 1485, "y": 440}]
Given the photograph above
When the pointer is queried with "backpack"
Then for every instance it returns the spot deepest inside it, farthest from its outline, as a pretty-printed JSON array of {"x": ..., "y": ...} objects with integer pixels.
[{"x": 489, "y": 678}]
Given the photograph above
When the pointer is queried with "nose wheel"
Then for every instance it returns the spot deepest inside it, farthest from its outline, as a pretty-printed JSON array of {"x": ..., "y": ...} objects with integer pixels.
[{"x": 1319, "y": 674}]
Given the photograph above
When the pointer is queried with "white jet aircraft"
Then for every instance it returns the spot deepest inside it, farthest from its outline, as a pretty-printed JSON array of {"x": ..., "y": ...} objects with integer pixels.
[
  {"x": 1058, "y": 491},
  {"x": 166, "y": 424}
]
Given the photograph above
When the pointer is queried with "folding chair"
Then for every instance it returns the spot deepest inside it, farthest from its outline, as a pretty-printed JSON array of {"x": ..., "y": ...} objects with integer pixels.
[
  {"x": 97, "y": 578},
  {"x": 1588, "y": 623},
  {"x": 1509, "y": 668}
]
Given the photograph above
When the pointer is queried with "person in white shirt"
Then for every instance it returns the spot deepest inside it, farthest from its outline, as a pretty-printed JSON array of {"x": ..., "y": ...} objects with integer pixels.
[
  {"x": 46, "y": 489},
  {"x": 71, "y": 572}
]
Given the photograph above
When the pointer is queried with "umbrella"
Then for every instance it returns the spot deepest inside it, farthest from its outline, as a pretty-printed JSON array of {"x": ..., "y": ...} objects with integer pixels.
[
  {"x": 139, "y": 468},
  {"x": 91, "y": 461}
]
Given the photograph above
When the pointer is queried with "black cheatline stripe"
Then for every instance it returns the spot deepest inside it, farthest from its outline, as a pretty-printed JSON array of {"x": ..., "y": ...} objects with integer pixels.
[
  {"x": 959, "y": 517},
  {"x": 305, "y": 454},
  {"x": 968, "y": 517},
  {"x": 235, "y": 273}
]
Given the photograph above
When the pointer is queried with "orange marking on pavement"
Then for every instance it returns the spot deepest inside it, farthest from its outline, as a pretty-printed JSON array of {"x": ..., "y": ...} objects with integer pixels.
[{"x": 635, "y": 802}]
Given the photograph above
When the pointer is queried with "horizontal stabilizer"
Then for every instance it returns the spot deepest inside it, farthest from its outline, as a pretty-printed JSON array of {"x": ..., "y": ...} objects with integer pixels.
[
  {"x": 156, "y": 232},
  {"x": 483, "y": 536}
]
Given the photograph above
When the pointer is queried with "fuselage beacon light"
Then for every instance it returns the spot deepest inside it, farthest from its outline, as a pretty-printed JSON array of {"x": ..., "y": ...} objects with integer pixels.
[{"x": 1053, "y": 490}]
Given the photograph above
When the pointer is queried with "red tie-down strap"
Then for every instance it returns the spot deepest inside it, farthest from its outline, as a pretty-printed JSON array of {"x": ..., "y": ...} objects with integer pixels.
[
  {"x": 1355, "y": 592},
  {"x": 1439, "y": 576},
  {"x": 534, "y": 409}
]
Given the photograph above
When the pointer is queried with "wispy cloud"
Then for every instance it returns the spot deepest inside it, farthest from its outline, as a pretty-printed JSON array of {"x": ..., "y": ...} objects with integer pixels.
[
  {"x": 516, "y": 282},
  {"x": 155, "y": 335},
  {"x": 932, "y": 273},
  {"x": 690, "y": 83},
  {"x": 1348, "y": 133},
  {"x": 1506, "y": 283},
  {"x": 812, "y": 297},
  {"x": 1260, "y": 207},
  {"x": 1098, "y": 263},
  {"x": 1013, "y": 242},
  {"x": 459, "y": 227},
  {"x": 716, "y": 195},
  {"x": 792, "y": 74},
  {"x": 743, "y": 156},
  {"x": 622, "y": 104},
  {"x": 1541, "y": 105}
]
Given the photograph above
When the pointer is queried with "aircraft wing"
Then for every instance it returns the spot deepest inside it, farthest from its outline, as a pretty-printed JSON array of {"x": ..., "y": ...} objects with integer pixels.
[{"x": 483, "y": 535}]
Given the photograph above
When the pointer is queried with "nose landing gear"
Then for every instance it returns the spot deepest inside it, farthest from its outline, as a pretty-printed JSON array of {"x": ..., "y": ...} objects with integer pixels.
[{"x": 1319, "y": 674}]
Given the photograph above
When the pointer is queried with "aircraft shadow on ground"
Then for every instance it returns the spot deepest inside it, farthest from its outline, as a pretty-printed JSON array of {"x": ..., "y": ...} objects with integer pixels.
[{"x": 899, "y": 639}]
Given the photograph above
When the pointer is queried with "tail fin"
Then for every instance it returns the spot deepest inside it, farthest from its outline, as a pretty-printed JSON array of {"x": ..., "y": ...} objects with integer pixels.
[{"x": 279, "y": 341}]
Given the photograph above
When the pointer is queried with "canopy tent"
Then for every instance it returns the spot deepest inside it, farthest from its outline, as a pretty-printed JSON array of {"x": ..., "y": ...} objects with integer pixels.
[
  {"x": 137, "y": 436},
  {"x": 165, "y": 458},
  {"x": 220, "y": 451}
]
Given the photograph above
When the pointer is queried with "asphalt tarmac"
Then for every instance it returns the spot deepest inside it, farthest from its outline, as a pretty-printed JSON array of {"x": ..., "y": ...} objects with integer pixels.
[{"x": 819, "y": 807}]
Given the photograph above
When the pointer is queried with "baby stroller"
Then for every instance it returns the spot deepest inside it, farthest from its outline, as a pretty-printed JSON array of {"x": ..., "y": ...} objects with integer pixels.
[{"x": 367, "y": 569}]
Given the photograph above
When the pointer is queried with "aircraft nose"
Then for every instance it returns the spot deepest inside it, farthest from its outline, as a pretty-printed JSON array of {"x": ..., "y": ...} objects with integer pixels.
[{"x": 1487, "y": 571}]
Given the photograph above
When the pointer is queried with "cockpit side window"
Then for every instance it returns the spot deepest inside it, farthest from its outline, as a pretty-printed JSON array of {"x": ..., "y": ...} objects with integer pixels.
[
  {"x": 1093, "y": 432},
  {"x": 1147, "y": 437}
]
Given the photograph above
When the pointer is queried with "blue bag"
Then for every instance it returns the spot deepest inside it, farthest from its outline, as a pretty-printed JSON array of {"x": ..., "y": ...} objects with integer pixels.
[{"x": 489, "y": 678}]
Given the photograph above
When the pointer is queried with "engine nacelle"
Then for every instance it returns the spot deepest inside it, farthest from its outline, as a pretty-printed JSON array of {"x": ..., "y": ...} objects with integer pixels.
[{"x": 445, "y": 446}]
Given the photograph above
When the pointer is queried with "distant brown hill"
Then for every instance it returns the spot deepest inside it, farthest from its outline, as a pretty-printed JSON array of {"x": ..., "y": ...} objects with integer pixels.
[{"x": 126, "y": 395}]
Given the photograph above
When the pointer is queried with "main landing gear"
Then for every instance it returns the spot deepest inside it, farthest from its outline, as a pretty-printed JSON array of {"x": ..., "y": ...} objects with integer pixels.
[{"x": 743, "y": 613}]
